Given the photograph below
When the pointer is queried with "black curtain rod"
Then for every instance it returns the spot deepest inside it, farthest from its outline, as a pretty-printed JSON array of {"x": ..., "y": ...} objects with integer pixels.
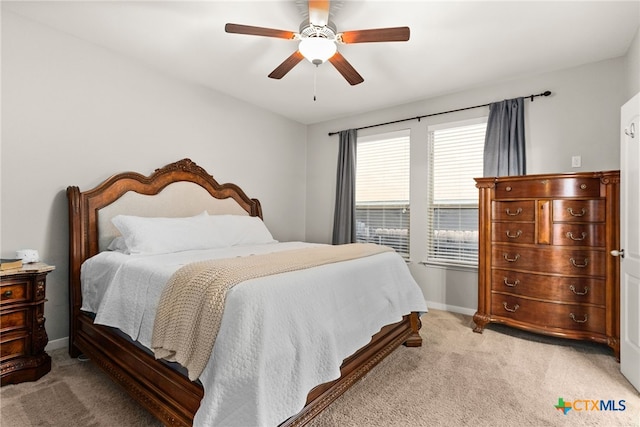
[{"x": 545, "y": 93}]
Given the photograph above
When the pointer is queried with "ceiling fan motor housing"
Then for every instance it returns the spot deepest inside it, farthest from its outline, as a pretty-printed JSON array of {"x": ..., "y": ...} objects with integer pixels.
[
  {"x": 317, "y": 43},
  {"x": 326, "y": 31}
]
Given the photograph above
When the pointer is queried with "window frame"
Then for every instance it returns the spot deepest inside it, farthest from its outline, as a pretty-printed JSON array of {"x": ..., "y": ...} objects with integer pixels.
[
  {"x": 403, "y": 206},
  {"x": 430, "y": 260}
]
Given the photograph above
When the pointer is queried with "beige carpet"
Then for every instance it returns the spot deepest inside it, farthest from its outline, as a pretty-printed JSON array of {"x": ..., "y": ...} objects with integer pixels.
[{"x": 502, "y": 377}]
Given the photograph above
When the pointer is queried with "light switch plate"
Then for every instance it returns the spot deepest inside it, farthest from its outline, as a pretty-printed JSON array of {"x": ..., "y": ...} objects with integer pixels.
[{"x": 576, "y": 161}]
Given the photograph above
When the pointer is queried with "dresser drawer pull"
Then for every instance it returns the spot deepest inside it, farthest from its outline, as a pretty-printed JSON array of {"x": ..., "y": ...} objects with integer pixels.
[
  {"x": 515, "y": 307},
  {"x": 7, "y": 294},
  {"x": 572, "y": 237},
  {"x": 586, "y": 262},
  {"x": 573, "y": 289},
  {"x": 573, "y": 317},
  {"x": 514, "y": 259},
  {"x": 514, "y": 236},
  {"x": 581, "y": 213},
  {"x": 517, "y": 212},
  {"x": 511, "y": 285}
]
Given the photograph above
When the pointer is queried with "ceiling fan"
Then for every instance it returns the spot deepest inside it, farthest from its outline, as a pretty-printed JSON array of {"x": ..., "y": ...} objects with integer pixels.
[{"x": 318, "y": 40}]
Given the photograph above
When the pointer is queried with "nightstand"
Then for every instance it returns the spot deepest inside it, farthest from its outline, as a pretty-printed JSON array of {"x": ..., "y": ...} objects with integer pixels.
[{"x": 22, "y": 333}]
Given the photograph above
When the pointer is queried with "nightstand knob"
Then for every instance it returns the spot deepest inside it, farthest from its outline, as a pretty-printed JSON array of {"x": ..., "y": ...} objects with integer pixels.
[{"x": 7, "y": 294}]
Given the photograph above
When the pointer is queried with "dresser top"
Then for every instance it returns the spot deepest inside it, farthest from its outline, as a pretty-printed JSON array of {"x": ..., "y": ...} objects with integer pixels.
[
  {"x": 34, "y": 267},
  {"x": 563, "y": 175}
]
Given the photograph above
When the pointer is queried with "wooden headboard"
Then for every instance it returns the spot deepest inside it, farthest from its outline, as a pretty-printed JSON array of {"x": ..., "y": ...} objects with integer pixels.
[{"x": 178, "y": 189}]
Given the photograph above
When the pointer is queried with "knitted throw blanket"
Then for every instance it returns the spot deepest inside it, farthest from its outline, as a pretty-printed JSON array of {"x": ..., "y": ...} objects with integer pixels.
[{"x": 191, "y": 306}]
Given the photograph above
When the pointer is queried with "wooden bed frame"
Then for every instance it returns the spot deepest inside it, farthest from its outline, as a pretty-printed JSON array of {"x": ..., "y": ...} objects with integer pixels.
[{"x": 157, "y": 385}]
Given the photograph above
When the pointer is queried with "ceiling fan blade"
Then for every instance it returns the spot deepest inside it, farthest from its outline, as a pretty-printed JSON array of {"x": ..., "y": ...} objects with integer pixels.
[
  {"x": 344, "y": 68},
  {"x": 319, "y": 12},
  {"x": 394, "y": 34},
  {"x": 286, "y": 65},
  {"x": 258, "y": 31}
]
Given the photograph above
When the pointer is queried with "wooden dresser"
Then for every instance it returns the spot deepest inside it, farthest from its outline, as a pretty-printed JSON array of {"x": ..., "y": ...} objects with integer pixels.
[
  {"x": 544, "y": 255},
  {"x": 22, "y": 333}
]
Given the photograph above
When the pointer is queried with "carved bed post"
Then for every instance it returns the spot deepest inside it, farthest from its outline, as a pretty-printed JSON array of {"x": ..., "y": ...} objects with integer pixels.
[
  {"x": 414, "y": 340},
  {"x": 76, "y": 256}
]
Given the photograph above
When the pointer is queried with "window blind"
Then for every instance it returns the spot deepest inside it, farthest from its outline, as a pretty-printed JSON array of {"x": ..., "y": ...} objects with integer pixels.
[
  {"x": 382, "y": 190},
  {"x": 455, "y": 158}
]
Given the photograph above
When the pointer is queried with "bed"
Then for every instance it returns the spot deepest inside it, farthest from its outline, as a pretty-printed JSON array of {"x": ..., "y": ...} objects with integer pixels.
[{"x": 184, "y": 189}]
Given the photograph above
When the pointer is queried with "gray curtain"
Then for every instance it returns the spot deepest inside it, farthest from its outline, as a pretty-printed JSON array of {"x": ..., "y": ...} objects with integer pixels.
[
  {"x": 504, "y": 148},
  {"x": 344, "y": 217}
]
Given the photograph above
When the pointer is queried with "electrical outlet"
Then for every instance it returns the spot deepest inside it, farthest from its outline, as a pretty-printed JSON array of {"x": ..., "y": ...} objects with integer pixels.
[{"x": 576, "y": 161}]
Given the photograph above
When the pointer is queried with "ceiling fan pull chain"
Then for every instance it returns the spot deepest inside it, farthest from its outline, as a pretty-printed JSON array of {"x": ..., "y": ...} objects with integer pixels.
[{"x": 315, "y": 73}]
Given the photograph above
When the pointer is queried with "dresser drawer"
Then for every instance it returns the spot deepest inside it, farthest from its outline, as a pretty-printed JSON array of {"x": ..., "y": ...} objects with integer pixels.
[
  {"x": 574, "y": 290},
  {"x": 549, "y": 260},
  {"x": 550, "y": 315},
  {"x": 522, "y": 210},
  {"x": 12, "y": 320},
  {"x": 14, "y": 345},
  {"x": 513, "y": 232},
  {"x": 568, "y": 234},
  {"x": 13, "y": 291},
  {"x": 543, "y": 187},
  {"x": 579, "y": 210}
]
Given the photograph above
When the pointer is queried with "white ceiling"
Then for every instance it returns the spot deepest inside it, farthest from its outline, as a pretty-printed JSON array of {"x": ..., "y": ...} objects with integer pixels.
[{"x": 453, "y": 46}]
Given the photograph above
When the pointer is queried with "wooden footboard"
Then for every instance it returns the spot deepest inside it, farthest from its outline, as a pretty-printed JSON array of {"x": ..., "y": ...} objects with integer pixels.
[
  {"x": 356, "y": 366},
  {"x": 174, "y": 400}
]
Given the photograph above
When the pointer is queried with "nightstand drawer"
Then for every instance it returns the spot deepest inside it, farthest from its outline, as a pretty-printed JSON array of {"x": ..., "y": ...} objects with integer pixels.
[
  {"x": 14, "y": 319},
  {"x": 13, "y": 291},
  {"x": 14, "y": 345}
]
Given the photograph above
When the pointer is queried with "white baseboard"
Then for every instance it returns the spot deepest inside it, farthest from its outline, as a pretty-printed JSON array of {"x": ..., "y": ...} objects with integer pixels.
[
  {"x": 452, "y": 308},
  {"x": 57, "y": 344}
]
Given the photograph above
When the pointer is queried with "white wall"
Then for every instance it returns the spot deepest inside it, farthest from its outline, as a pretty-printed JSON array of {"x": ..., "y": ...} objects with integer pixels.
[
  {"x": 581, "y": 117},
  {"x": 633, "y": 67},
  {"x": 74, "y": 113}
]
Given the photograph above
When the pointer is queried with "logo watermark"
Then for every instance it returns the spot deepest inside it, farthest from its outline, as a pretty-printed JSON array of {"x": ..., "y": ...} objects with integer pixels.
[{"x": 586, "y": 405}]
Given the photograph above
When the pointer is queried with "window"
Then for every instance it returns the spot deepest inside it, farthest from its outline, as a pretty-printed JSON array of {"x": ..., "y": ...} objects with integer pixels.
[
  {"x": 455, "y": 158},
  {"x": 382, "y": 190}
]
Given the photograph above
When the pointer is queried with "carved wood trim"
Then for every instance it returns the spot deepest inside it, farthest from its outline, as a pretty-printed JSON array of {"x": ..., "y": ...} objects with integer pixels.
[{"x": 140, "y": 394}]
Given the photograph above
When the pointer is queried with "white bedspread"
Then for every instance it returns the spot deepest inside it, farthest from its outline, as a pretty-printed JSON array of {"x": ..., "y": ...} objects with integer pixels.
[{"x": 280, "y": 335}]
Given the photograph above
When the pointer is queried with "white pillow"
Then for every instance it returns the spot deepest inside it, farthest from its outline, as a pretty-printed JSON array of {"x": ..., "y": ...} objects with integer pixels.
[
  {"x": 144, "y": 235},
  {"x": 118, "y": 244},
  {"x": 241, "y": 229}
]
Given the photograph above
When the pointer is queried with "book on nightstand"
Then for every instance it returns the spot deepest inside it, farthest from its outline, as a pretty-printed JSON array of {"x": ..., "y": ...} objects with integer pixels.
[{"x": 10, "y": 263}]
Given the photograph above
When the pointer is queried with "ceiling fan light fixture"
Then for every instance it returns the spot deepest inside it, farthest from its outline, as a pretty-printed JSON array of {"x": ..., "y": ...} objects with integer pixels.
[{"x": 317, "y": 49}]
